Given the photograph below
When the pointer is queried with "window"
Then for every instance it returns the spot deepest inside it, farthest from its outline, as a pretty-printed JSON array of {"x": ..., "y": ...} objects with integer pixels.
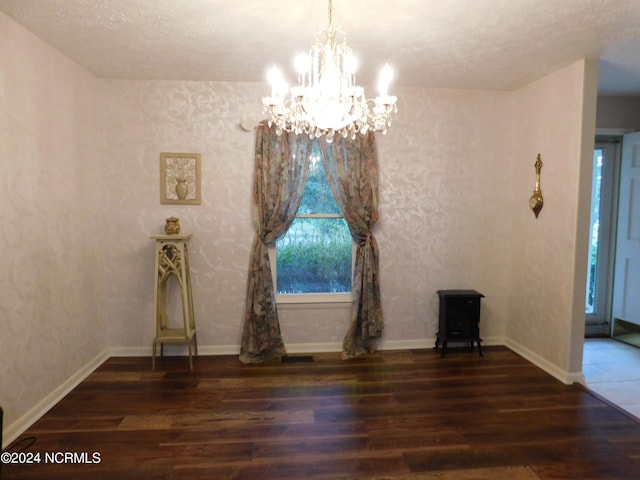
[
  {"x": 597, "y": 305},
  {"x": 314, "y": 258},
  {"x": 594, "y": 231}
]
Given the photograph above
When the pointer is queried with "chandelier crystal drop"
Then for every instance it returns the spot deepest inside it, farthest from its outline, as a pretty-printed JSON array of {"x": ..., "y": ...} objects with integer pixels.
[{"x": 327, "y": 100}]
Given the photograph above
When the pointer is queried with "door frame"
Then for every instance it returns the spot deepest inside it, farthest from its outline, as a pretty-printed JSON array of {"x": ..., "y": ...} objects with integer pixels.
[{"x": 600, "y": 322}]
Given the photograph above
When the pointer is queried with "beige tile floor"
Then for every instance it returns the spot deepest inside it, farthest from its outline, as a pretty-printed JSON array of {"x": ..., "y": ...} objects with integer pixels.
[{"x": 612, "y": 370}]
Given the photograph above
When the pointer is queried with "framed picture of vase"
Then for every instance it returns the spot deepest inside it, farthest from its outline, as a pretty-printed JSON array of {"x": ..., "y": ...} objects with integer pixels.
[{"x": 180, "y": 178}]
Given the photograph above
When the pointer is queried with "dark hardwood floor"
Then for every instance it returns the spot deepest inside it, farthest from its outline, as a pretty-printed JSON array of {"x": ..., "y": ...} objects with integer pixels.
[{"x": 393, "y": 415}]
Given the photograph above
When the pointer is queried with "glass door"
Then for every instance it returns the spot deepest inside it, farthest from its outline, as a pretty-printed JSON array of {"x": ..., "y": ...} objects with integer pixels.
[{"x": 599, "y": 268}]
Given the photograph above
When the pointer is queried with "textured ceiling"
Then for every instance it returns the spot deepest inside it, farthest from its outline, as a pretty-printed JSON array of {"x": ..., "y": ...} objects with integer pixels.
[{"x": 478, "y": 44}]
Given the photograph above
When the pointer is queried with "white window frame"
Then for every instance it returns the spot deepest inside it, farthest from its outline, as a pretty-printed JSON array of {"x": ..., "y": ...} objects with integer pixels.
[{"x": 306, "y": 299}]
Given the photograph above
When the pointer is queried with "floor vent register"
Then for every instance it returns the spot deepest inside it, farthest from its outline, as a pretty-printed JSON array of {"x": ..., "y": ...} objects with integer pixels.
[{"x": 297, "y": 359}]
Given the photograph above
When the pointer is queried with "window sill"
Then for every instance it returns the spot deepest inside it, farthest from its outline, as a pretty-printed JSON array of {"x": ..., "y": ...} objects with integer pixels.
[{"x": 313, "y": 300}]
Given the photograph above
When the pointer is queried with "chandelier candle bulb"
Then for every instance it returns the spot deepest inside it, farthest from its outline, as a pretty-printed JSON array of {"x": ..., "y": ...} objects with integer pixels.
[
  {"x": 278, "y": 85},
  {"x": 302, "y": 67},
  {"x": 386, "y": 75}
]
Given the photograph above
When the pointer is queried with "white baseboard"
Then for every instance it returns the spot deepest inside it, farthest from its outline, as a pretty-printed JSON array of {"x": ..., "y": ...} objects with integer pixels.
[
  {"x": 576, "y": 377},
  {"x": 565, "y": 377},
  {"x": 320, "y": 347},
  {"x": 174, "y": 350},
  {"x": 32, "y": 415},
  {"x": 428, "y": 343},
  {"x": 326, "y": 347},
  {"x": 418, "y": 344}
]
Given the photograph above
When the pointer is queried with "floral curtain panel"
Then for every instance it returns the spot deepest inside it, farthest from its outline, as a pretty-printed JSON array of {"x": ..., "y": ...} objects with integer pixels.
[
  {"x": 352, "y": 171},
  {"x": 281, "y": 166}
]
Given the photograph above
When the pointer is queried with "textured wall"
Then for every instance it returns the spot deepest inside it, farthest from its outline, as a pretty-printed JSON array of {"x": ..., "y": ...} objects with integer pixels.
[
  {"x": 443, "y": 191},
  {"x": 52, "y": 221},
  {"x": 140, "y": 120},
  {"x": 443, "y": 187},
  {"x": 542, "y": 282}
]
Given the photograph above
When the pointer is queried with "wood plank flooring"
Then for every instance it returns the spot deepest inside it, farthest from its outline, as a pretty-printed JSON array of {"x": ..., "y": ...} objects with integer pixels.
[{"x": 394, "y": 415}]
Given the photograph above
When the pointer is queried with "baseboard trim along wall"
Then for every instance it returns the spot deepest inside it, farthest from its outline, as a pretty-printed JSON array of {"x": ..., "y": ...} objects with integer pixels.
[
  {"x": 565, "y": 377},
  {"x": 320, "y": 347},
  {"x": 32, "y": 415}
]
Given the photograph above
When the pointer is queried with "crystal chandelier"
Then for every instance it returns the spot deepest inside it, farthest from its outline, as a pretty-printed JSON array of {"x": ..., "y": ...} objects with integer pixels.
[{"x": 327, "y": 100}]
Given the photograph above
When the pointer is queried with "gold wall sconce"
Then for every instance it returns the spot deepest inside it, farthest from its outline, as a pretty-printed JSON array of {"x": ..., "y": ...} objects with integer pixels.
[{"x": 536, "y": 201}]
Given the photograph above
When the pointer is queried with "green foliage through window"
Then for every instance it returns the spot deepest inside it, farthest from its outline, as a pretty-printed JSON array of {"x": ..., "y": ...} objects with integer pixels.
[
  {"x": 595, "y": 230},
  {"x": 314, "y": 256}
]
